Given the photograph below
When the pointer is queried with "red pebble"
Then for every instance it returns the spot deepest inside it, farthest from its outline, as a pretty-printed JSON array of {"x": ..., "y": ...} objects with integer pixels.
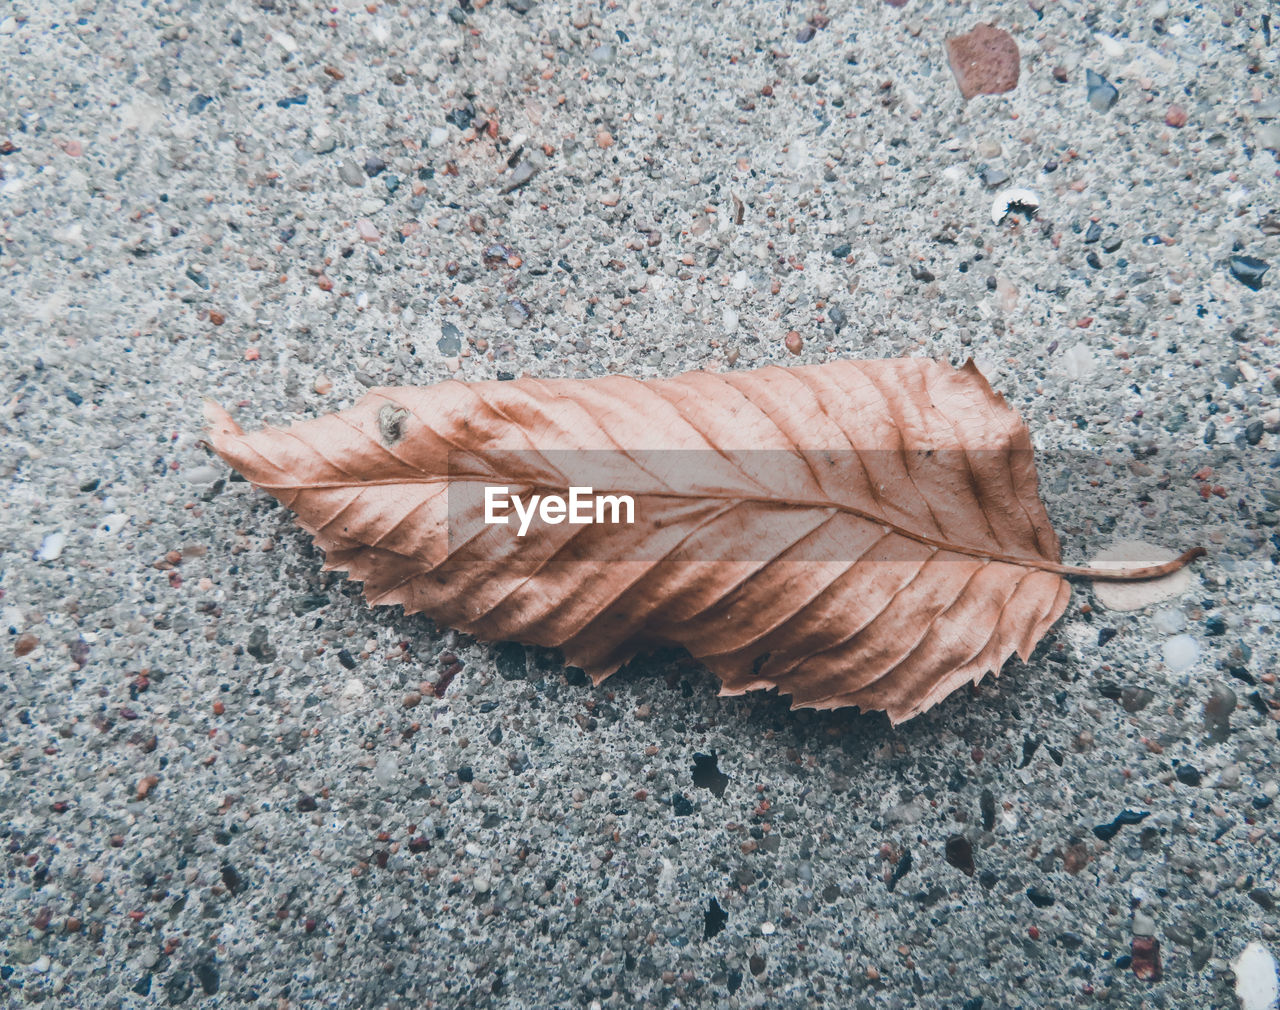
[
  {"x": 1145, "y": 951},
  {"x": 1176, "y": 117}
]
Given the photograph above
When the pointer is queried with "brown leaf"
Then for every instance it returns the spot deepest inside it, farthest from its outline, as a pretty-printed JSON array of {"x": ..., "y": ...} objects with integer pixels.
[{"x": 856, "y": 533}]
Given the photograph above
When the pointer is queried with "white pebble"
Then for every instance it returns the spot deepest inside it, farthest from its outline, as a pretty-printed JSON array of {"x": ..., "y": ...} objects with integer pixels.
[
  {"x": 1181, "y": 653},
  {"x": 1169, "y": 621},
  {"x": 51, "y": 546},
  {"x": 385, "y": 769},
  {"x": 741, "y": 280},
  {"x": 1257, "y": 987},
  {"x": 1078, "y": 361},
  {"x": 203, "y": 474},
  {"x": 730, "y": 320},
  {"x": 41, "y": 964},
  {"x": 1114, "y": 48},
  {"x": 437, "y": 137}
]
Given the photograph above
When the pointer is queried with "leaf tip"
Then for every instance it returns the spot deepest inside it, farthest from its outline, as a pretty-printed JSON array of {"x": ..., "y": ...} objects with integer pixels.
[{"x": 218, "y": 422}]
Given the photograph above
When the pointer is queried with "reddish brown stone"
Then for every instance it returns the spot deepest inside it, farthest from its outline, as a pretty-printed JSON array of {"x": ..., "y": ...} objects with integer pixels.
[
  {"x": 25, "y": 644},
  {"x": 1176, "y": 117},
  {"x": 1145, "y": 951},
  {"x": 985, "y": 61}
]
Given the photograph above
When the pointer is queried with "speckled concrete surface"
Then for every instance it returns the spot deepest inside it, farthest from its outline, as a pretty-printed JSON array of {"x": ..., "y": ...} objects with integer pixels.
[{"x": 227, "y": 781}]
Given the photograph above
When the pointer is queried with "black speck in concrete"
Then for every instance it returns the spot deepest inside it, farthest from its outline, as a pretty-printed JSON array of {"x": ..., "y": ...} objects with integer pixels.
[
  {"x": 1039, "y": 897},
  {"x": 1106, "y": 832},
  {"x": 714, "y": 919},
  {"x": 900, "y": 870},
  {"x": 707, "y": 775}
]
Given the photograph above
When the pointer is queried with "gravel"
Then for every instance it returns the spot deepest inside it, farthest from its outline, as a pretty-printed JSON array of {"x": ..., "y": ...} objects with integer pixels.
[{"x": 228, "y": 781}]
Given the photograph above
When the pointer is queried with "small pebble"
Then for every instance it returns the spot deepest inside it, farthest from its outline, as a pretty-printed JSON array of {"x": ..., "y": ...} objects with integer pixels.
[
  {"x": 793, "y": 342},
  {"x": 349, "y": 172},
  {"x": 1176, "y": 117},
  {"x": 1248, "y": 270},
  {"x": 1180, "y": 653},
  {"x": 1101, "y": 93},
  {"x": 985, "y": 61},
  {"x": 1257, "y": 983},
  {"x": 51, "y": 547}
]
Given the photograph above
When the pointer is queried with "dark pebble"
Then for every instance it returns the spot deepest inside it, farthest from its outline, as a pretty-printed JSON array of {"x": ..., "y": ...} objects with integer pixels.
[
  {"x": 207, "y": 974},
  {"x": 837, "y": 316},
  {"x": 521, "y": 6},
  {"x": 991, "y": 283},
  {"x": 713, "y": 919},
  {"x": 511, "y": 661},
  {"x": 987, "y": 804},
  {"x": 988, "y": 879},
  {"x": 1093, "y": 261},
  {"x": 1101, "y": 93},
  {"x": 1039, "y": 897},
  {"x": 1135, "y": 699},
  {"x": 231, "y": 878},
  {"x": 1093, "y": 233},
  {"x": 921, "y": 273},
  {"x": 900, "y": 869},
  {"x": 374, "y": 167},
  {"x": 1248, "y": 270},
  {"x": 309, "y": 602},
  {"x": 1106, "y": 832},
  {"x": 1112, "y": 244},
  {"x": 198, "y": 104},
  {"x": 142, "y": 987},
  {"x": 805, "y": 34},
  {"x": 178, "y": 988},
  {"x": 680, "y": 806},
  {"x": 75, "y": 398},
  {"x": 1105, "y": 635},
  {"x": 1253, "y": 433},
  {"x": 841, "y": 251},
  {"x": 1188, "y": 775},
  {"x": 457, "y": 15},
  {"x": 306, "y": 804},
  {"x": 346, "y": 659},
  {"x": 284, "y": 103},
  {"x": 259, "y": 646},
  {"x": 1210, "y": 433},
  {"x": 1262, "y": 897},
  {"x": 1215, "y": 626},
  {"x": 465, "y": 774},
  {"x": 462, "y": 116},
  {"x": 959, "y": 853},
  {"x": 90, "y": 485}
]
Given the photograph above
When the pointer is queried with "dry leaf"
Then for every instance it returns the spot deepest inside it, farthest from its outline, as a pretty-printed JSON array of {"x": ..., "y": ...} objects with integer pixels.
[{"x": 856, "y": 533}]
